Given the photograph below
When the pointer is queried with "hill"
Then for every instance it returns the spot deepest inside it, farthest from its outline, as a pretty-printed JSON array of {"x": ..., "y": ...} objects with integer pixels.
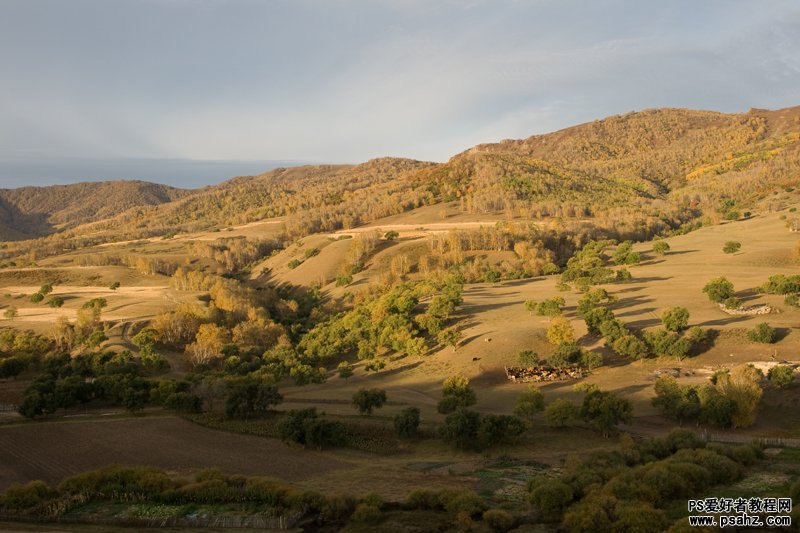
[{"x": 29, "y": 212}]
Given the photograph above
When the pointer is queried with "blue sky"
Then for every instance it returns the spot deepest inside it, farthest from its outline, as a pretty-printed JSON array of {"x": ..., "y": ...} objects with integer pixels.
[{"x": 346, "y": 81}]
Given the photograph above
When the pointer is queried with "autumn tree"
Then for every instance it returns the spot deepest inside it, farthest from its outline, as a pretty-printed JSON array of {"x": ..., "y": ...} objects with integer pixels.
[
  {"x": 560, "y": 331},
  {"x": 208, "y": 344}
]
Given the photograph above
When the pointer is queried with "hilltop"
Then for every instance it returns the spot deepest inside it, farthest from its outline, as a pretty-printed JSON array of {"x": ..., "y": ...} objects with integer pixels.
[{"x": 29, "y": 212}]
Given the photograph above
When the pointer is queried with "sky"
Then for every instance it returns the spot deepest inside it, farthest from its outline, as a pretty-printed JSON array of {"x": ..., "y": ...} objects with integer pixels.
[{"x": 191, "y": 92}]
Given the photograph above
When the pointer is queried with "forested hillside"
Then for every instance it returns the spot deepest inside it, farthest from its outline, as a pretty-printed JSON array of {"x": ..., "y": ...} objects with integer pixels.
[
  {"x": 36, "y": 211},
  {"x": 640, "y": 174}
]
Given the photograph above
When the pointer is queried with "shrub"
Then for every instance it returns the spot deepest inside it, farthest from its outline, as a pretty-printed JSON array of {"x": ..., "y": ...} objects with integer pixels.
[
  {"x": 294, "y": 263},
  {"x": 560, "y": 413},
  {"x": 344, "y": 369},
  {"x": 37, "y": 297},
  {"x": 605, "y": 410},
  {"x": 560, "y": 331},
  {"x": 406, "y": 423},
  {"x": 366, "y": 514},
  {"x": 529, "y": 403},
  {"x": 114, "y": 286},
  {"x": 499, "y": 429},
  {"x": 660, "y": 247},
  {"x": 763, "y": 333},
  {"x": 591, "y": 360},
  {"x": 528, "y": 358},
  {"x": 565, "y": 354},
  {"x": 551, "y": 498},
  {"x": 391, "y": 235},
  {"x": 732, "y": 303},
  {"x": 366, "y": 400},
  {"x": 498, "y": 519},
  {"x": 55, "y": 301},
  {"x": 311, "y": 252},
  {"x": 460, "y": 429},
  {"x": 675, "y": 319},
  {"x": 731, "y": 247},
  {"x": 457, "y": 393},
  {"x": 781, "y": 375},
  {"x": 718, "y": 289},
  {"x": 343, "y": 280},
  {"x": 630, "y": 346}
]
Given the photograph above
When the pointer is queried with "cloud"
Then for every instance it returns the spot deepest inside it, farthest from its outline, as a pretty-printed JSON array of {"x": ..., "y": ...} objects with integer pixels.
[{"x": 347, "y": 81}]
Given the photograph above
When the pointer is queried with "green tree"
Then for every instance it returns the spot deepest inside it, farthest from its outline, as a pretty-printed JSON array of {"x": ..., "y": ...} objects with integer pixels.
[
  {"x": 630, "y": 346},
  {"x": 450, "y": 337},
  {"x": 460, "y": 429},
  {"x": 114, "y": 286},
  {"x": 718, "y": 289},
  {"x": 530, "y": 402},
  {"x": 456, "y": 393},
  {"x": 605, "y": 410},
  {"x": 46, "y": 289},
  {"x": 763, "y": 333},
  {"x": 561, "y": 412},
  {"x": 37, "y": 297},
  {"x": 249, "y": 398},
  {"x": 345, "y": 370},
  {"x": 391, "y": 235},
  {"x": 731, "y": 247},
  {"x": 742, "y": 386},
  {"x": 366, "y": 400},
  {"x": 55, "y": 302},
  {"x": 781, "y": 375},
  {"x": 499, "y": 429},
  {"x": 406, "y": 423},
  {"x": 660, "y": 247},
  {"x": 528, "y": 358},
  {"x": 675, "y": 319}
]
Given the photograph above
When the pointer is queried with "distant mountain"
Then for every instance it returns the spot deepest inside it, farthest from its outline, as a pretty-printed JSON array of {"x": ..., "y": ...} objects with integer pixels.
[
  {"x": 29, "y": 212},
  {"x": 636, "y": 175}
]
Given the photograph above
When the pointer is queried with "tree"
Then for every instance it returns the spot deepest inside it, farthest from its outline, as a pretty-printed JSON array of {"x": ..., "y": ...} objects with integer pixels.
[
  {"x": 37, "y": 297},
  {"x": 208, "y": 344},
  {"x": 560, "y": 331},
  {"x": 630, "y": 346},
  {"x": 560, "y": 413},
  {"x": 365, "y": 400},
  {"x": 345, "y": 370},
  {"x": 675, "y": 319},
  {"x": 460, "y": 429},
  {"x": 781, "y": 375},
  {"x": 10, "y": 313},
  {"x": 528, "y": 358},
  {"x": 55, "y": 302},
  {"x": 499, "y": 429},
  {"x": 46, "y": 289},
  {"x": 450, "y": 337},
  {"x": 406, "y": 423},
  {"x": 95, "y": 339},
  {"x": 114, "y": 286},
  {"x": 529, "y": 403},
  {"x": 250, "y": 397},
  {"x": 742, "y": 386},
  {"x": 605, "y": 410},
  {"x": 391, "y": 235},
  {"x": 456, "y": 393},
  {"x": 731, "y": 247},
  {"x": 718, "y": 289},
  {"x": 763, "y": 333},
  {"x": 660, "y": 247}
]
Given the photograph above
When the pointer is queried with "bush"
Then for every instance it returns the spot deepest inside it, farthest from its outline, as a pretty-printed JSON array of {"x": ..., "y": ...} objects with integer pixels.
[
  {"x": 37, "y": 297},
  {"x": 675, "y": 319},
  {"x": 763, "y": 333},
  {"x": 781, "y": 375},
  {"x": 460, "y": 429},
  {"x": 366, "y": 514},
  {"x": 499, "y": 429},
  {"x": 732, "y": 303},
  {"x": 551, "y": 498},
  {"x": 55, "y": 302},
  {"x": 630, "y": 346},
  {"x": 660, "y": 247},
  {"x": 560, "y": 413},
  {"x": 718, "y": 289},
  {"x": 529, "y": 403},
  {"x": 406, "y": 423},
  {"x": 366, "y": 400},
  {"x": 343, "y": 280},
  {"x": 565, "y": 354},
  {"x": 294, "y": 263},
  {"x": 731, "y": 247},
  {"x": 528, "y": 358},
  {"x": 498, "y": 519},
  {"x": 457, "y": 393},
  {"x": 31, "y": 494}
]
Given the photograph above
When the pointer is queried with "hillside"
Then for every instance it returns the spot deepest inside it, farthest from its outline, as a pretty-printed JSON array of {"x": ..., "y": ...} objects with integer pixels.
[{"x": 29, "y": 212}]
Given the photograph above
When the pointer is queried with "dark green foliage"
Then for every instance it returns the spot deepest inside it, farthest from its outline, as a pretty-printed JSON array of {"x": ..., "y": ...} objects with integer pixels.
[
  {"x": 12, "y": 366},
  {"x": 528, "y": 358},
  {"x": 499, "y": 429},
  {"x": 549, "y": 307},
  {"x": 249, "y": 398},
  {"x": 391, "y": 235},
  {"x": 95, "y": 339},
  {"x": 675, "y": 401},
  {"x": 781, "y": 375},
  {"x": 456, "y": 393},
  {"x": 718, "y": 289},
  {"x": 46, "y": 289},
  {"x": 406, "y": 423},
  {"x": 342, "y": 280},
  {"x": 294, "y": 263},
  {"x": 561, "y": 412},
  {"x": 37, "y": 297},
  {"x": 732, "y": 303},
  {"x": 529, "y": 403},
  {"x": 660, "y": 247},
  {"x": 763, "y": 333},
  {"x": 664, "y": 343},
  {"x": 55, "y": 301},
  {"x": 367, "y": 400},
  {"x": 624, "y": 254},
  {"x": 630, "y": 346},
  {"x": 781, "y": 284},
  {"x": 605, "y": 410},
  {"x": 114, "y": 286},
  {"x": 612, "y": 330},
  {"x": 311, "y": 252},
  {"x": 675, "y": 319},
  {"x": 551, "y": 498},
  {"x": 306, "y": 428},
  {"x": 597, "y": 316},
  {"x": 461, "y": 428},
  {"x": 591, "y": 359},
  {"x": 20, "y": 497},
  {"x": 565, "y": 354},
  {"x": 95, "y": 303},
  {"x": 731, "y": 247},
  {"x": 594, "y": 298}
]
